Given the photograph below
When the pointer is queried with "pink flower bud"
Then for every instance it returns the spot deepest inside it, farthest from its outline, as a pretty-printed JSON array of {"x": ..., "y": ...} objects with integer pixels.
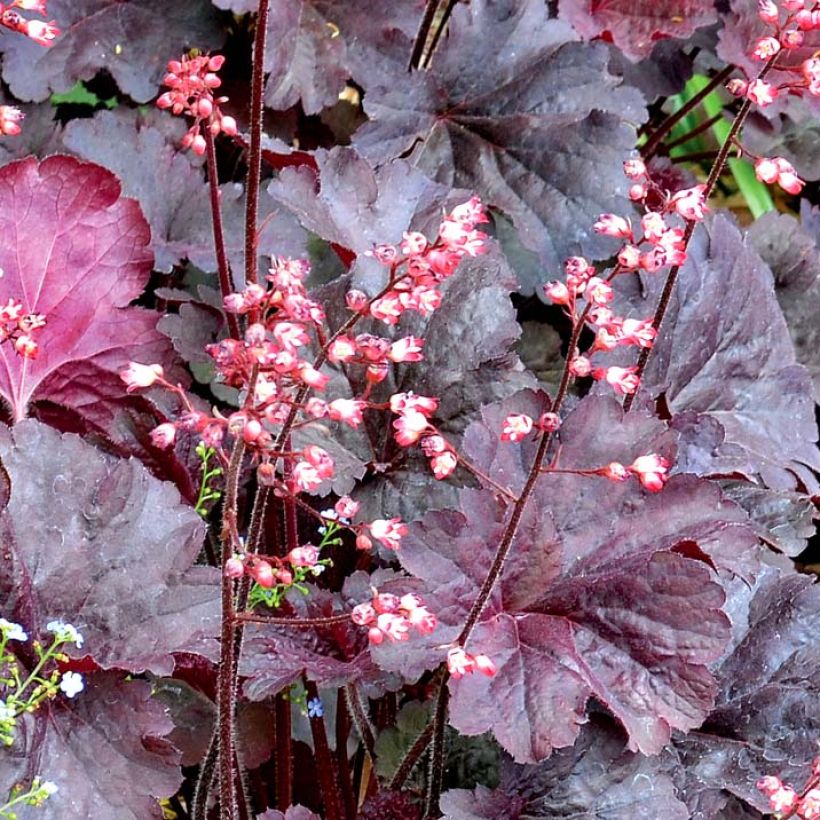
[
  {"x": 737, "y": 87},
  {"x": 558, "y": 293},
  {"x": 767, "y": 11},
  {"x": 235, "y": 567},
  {"x": 261, "y": 572},
  {"x": 346, "y": 507},
  {"x": 485, "y": 665},
  {"x": 140, "y": 375},
  {"x": 356, "y": 300},
  {"x": 363, "y": 542},
  {"x": 164, "y": 435},
  {"x": 634, "y": 169},
  {"x": 305, "y": 556},
  {"x": 580, "y": 366},
  {"x": 638, "y": 192},
  {"x": 612, "y": 225},
  {"x": 549, "y": 422},
  {"x": 443, "y": 464}
]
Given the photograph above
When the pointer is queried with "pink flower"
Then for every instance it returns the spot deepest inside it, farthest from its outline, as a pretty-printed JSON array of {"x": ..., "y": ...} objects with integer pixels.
[
  {"x": 261, "y": 572},
  {"x": 516, "y": 427},
  {"x": 396, "y": 627},
  {"x": 306, "y": 477},
  {"x": 320, "y": 459},
  {"x": 580, "y": 366},
  {"x": 407, "y": 349},
  {"x": 422, "y": 619},
  {"x": 612, "y": 225},
  {"x": 629, "y": 257},
  {"x": 363, "y": 614},
  {"x": 459, "y": 662},
  {"x": 405, "y": 402},
  {"x": 652, "y": 471},
  {"x": 768, "y": 12},
  {"x": 136, "y": 375},
  {"x": 346, "y": 508},
  {"x": 598, "y": 292},
  {"x": 348, "y": 411},
  {"x": 558, "y": 293},
  {"x": 690, "y": 203},
  {"x": 235, "y": 567},
  {"x": 634, "y": 168},
  {"x": 654, "y": 226},
  {"x": 389, "y": 532},
  {"x": 42, "y": 33},
  {"x": 549, "y": 422},
  {"x": 10, "y": 119},
  {"x": 810, "y": 805},
  {"x": 784, "y": 799},
  {"x": 312, "y": 377},
  {"x": 413, "y": 243},
  {"x": 409, "y": 427},
  {"x": 443, "y": 464},
  {"x": 762, "y": 93},
  {"x": 356, "y": 300},
  {"x": 623, "y": 379},
  {"x": 766, "y": 47},
  {"x": 305, "y": 556},
  {"x": 637, "y": 332},
  {"x": 614, "y": 471},
  {"x": 485, "y": 665},
  {"x": 388, "y": 309},
  {"x": 163, "y": 436}
]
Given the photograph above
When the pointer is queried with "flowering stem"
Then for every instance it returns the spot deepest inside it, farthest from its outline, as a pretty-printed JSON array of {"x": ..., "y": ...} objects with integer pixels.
[
  {"x": 227, "y": 660},
  {"x": 207, "y": 771},
  {"x": 412, "y": 757},
  {"x": 298, "y": 623},
  {"x": 437, "y": 753},
  {"x": 284, "y": 754},
  {"x": 223, "y": 269},
  {"x": 343, "y": 725},
  {"x": 325, "y": 768},
  {"x": 360, "y": 719},
  {"x": 255, "y": 154},
  {"x": 714, "y": 176},
  {"x": 653, "y": 143}
]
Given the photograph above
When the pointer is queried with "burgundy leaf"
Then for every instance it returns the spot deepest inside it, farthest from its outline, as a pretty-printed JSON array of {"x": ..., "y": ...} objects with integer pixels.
[
  {"x": 767, "y": 717},
  {"x": 516, "y": 111},
  {"x": 133, "y": 41},
  {"x": 102, "y": 544},
  {"x": 104, "y": 748},
  {"x": 635, "y": 25},
  {"x": 725, "y": 353},
  {"x": 143, "y": 150},
  {"x": 597, "y": 777},
  {"x": 593, "y": 601}
]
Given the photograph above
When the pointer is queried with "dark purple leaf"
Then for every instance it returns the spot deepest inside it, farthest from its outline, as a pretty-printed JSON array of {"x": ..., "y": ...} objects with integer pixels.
[
  {"x": 767, "y": 715},
  {"x": 635, "y": 25},
  {"x": 594, "y": 601},
  {"x": 663, "y": 73},
  {"x": 170, "y": 185},
  {"x": 307, "y": 58},
  {"x": 725, "y": 353},
  {"x": 516, "y": 111},
  {"x": 596, "y": 778},
  {"x": 41, "y": 132},
  {"x": 109, "y": 551},
  {"x": 332, "y": 656},
  {"x": 133, "y": 41},
  {"x": 387, "y": 805},
  {"x": 104, "y": 748}
]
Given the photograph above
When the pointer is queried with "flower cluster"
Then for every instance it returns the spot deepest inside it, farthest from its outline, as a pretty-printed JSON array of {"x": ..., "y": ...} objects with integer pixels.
[
  {"x": 460, "y": 663},
  {"x": 18, "y": 328},
  {"x": 37, "y": 30},
  {"x": 658, "y": 244},
  {"x": 651, "y": 470},
  {"x": 192, "y": 81},
  {"x": 393, "y": 617},
  {"x": 277, "y": 365},
  {"x": 786, "y": 801},
  {"x": 10, "y": 119},
  {"x": 790, "y": 21}
]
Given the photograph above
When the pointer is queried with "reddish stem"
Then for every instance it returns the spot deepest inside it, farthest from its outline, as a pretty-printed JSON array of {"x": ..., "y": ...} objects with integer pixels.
[
  {"x": 255, "y": 153},
  {"x": 325, "y": 765},
  {"x": 222, "y": 265},
  {"x": 284, "y": 753}
]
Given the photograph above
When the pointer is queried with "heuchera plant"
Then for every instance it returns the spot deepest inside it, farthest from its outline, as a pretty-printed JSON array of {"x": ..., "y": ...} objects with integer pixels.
[{"x": 397, "y": 421}]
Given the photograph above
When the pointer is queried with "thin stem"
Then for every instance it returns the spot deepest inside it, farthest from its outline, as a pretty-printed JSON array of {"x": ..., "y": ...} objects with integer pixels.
[
  {"x": 652, "y": 144},
  {"x": 714, "y": 176},
  {"x": 284, "y": 754},
  {"x": 227, "y": 660},
  {"x": 255, "y": 153},
  {"x": 325, "y": 768},
  {"x": 361, "y": 721},
  {"x": 699, "y": 129},
  {"x": 223, "y": 268},
  {"x": 411, "y": 759},
  {"x": 343, "y": 724},
  {"x": 297, "y": 623},
  {"x": 437, "y": 753},
  {"x": 207, "y": 772},
  {"x": 422, "y": 34},
  {"x": 695, "y": 156}
]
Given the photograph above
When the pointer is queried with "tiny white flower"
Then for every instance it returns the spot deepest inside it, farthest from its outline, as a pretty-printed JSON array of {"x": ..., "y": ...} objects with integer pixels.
[
  {"x": 49, "y": 788},
  {"x": 66, "y": 632},
  {"x": 71, "y": 684},
  {"x": 12, "y": 631},
  {"x": 6, "y": 712}
]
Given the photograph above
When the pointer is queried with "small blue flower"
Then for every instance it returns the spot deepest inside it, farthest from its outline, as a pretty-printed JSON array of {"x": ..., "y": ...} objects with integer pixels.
[{"x": 315, "y": 708}]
